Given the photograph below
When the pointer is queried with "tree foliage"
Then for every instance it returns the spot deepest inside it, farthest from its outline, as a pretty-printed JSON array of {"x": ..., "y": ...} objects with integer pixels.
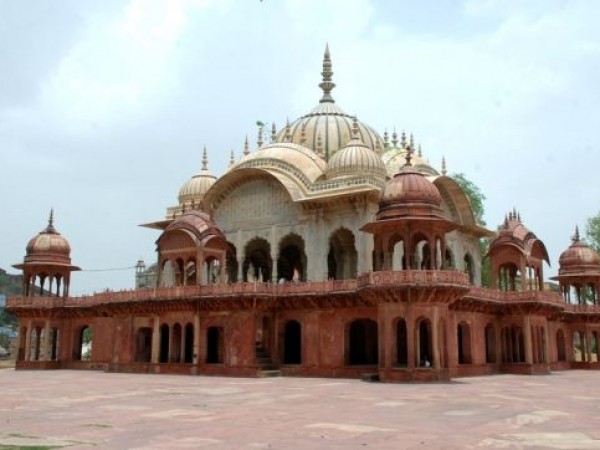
[
  {"x": 476, "y": 197},
  {"x": 592, "y": 232}
]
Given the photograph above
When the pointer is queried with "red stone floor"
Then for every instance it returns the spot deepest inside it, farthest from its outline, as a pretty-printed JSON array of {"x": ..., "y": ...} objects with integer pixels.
[{"x": 82, "y": 409}]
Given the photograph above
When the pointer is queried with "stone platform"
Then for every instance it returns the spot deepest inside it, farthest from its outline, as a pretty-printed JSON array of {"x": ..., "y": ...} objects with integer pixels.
[{"x": 83, "y": 409}]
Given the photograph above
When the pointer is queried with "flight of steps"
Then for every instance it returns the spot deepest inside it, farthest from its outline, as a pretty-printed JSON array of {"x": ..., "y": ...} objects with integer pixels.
[{"x": 266, "y": 368}]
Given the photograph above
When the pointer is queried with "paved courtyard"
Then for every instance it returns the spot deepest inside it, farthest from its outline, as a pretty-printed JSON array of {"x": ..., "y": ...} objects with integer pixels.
[{"x": 80, "y": 409}]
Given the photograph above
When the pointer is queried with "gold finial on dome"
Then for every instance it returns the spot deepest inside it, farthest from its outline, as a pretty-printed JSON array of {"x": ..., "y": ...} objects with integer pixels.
[
  {"x": 576, "y": 238},
  {"x": 444, "y": 171},
  {"x": 204, "y": 159},
  {"x": 327, "y": 85},
  {"x": 394, "y": 138},
  {"x": 403, "y": 140},
  {"x": 246, "y": 147},
  {"x": 231, "y": 159},
  {"x": 273, "y": 133}
]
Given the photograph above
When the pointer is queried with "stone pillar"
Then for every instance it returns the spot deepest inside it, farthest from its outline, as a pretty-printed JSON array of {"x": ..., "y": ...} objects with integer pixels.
[
  {"x": 527, "y": 338},
  {"x": 435, "y": 338},
  {"x": 26, "y": 356},
  {"x": 45, "y": 356},
  {"x": 171, "y": 356},
  {"x": 156, "y": 341},
  {"x": 410, "y": 337},
  {"x": 273, "y": 268}
]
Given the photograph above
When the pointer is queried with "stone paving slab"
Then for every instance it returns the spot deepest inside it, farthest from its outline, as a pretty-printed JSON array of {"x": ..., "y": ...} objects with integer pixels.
[{"x": 88, "y": 409}]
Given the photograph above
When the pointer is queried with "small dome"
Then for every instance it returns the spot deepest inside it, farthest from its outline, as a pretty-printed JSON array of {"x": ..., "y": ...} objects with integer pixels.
[
  {"x": 327, "y": 128},
  {"x": 578, "y": 258},
  {"x": 394, "y": 157},
  {"x": 355, "y": 158},
  {"x": 194, "y": 189},
  {"x": 197, "y": 224},
  {"x": 48, "y": 247}
]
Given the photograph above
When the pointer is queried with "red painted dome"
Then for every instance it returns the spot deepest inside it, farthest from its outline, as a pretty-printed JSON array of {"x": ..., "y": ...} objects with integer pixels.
[
  {"x": 578, "y": 258},
  {"x": 48, "y": 247}
]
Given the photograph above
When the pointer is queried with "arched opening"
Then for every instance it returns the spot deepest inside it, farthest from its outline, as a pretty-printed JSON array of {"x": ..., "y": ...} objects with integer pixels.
[
  {"x": 167, "y": 274},
  {"x": 212, "y": 270},
  {"x": 190, "y": 273},
  {"x": 292, "y": 343},
  {"x": 469, "y": 266},
  {"x": 423, "y": 341},
  {"x": 34, "y": 344},
  {"x": 561, "y": 345},
  {"x": 54, "y": 340},
  {"x": 257, "y": 263},
  {"x": 363, "y": 348},
  {"x": 176, "y": 344},
  {"x": 188, "y": 352},
  {"x": 401, "y": 343},
  {"x": 490, "y": 344},
  {"x": 143, "y": 345},
  {"x": 464, "y": 343},
  {"x": 291, "y": 264},
  {"x": 578, "y": 347},
  {"x": 508, "y": 276},
  {"x": 231, "y": 263},
  {"x": 448, "y": 260},
  {"x": 594, "y": 349},
  {"x": 421, "y": 254},
  {"x": 214, "y": 345},
  {"x": 83, "y": 341},
  {"x": 163, "y": 356},
  {"x": 342, "y": 256}
]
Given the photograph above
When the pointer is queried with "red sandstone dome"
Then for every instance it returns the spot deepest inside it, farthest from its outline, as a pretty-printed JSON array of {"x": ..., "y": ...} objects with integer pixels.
[
  {"x": 578, "y": 258},
  {"x": 48, "y": 247},
  {"x": 197, "y": 224},
  {"x": 409, "y": 193}
]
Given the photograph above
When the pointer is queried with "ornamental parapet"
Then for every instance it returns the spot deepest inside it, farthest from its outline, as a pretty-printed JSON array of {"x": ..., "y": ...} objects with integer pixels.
[
  {"x": 481, "y": 293},
  {"x": 406, "y": 278}
]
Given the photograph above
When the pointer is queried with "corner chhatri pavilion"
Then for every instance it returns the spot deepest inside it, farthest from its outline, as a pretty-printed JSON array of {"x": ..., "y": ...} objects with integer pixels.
[{"x": 329, "y": 251}]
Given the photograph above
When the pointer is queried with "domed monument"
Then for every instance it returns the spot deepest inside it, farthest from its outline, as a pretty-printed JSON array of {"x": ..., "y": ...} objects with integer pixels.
[{"x": 327, "y": 251}]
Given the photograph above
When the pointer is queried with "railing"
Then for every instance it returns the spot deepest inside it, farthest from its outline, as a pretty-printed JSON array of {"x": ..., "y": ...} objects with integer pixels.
[
  {"x": 398, "y": 278},
  {"x": 515, "y": 296}
]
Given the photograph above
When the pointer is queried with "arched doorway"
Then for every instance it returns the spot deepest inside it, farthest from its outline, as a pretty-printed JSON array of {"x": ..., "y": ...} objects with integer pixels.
[
  {"x": 214, "y": 345},
  {"x": 424, "y": 350},
  {"x": 401, "y": 343},
  {"x": 464, "y": 343},
  {"x": 83, "y": 344},
  {"x": 188, "y": 352},
  {"x": 257, "y": 262},
  {"x": 175, "y": 355},
  {"x": 231, "y": 263},
  {"x": 342, "y": 256},
  {"x": 291, "y": 264},
  {"x": 292, "y": 343},
  {"x": 143, "y": 352},
  {"x": 470, "y": 267},
  {"x": 363, "y": 346},
  {"x": 561, "y": 345},
  {"x": 163, "y": 356}
]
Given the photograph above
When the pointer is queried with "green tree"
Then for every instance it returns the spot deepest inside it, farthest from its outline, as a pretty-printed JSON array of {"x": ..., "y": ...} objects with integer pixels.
[
  {"x": 592, "y": 232},
  {"x": 477, "y": 199}
]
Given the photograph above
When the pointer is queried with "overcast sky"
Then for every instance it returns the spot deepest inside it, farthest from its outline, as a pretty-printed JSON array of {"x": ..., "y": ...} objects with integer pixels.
[{"x": 105, "y": 106}]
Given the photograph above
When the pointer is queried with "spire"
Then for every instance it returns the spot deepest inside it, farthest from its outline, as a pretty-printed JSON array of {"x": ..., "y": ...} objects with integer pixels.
[
  {"x": 246, "y": 147},
  {"x": 273, "y": 133},
  {"x": 288, "y": 131},
  {"x": 412, "y": 141},
  {"x": 355, "y": 131},
  {"x": 403, "y": 140},
  {"x": 231, "y": 159},
  {"x": 204, "y": 159},
  {"x": 408, "y": 157},
  {"x": 385, "y": 139},
  {"x": 420, "y": 152},
  {"x": 259, "y": 139},
  {"x": 576, "y": 236},
  {"x": 519, "y": 216},
  {"x": 394, "y": 138},
  {"x": 444, "y": 171},
  {"x": 327, "y": 85},
  {"x": 50, "y": 228},
  {"x": 506, "y": 221}
]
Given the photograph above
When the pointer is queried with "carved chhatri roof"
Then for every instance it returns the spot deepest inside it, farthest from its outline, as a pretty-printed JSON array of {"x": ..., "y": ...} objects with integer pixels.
[{"x": 578, "y": 258}]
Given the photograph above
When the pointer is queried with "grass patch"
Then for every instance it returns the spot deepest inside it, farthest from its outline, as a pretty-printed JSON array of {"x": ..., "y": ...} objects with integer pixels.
[{"x": 97, "y": 425}]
